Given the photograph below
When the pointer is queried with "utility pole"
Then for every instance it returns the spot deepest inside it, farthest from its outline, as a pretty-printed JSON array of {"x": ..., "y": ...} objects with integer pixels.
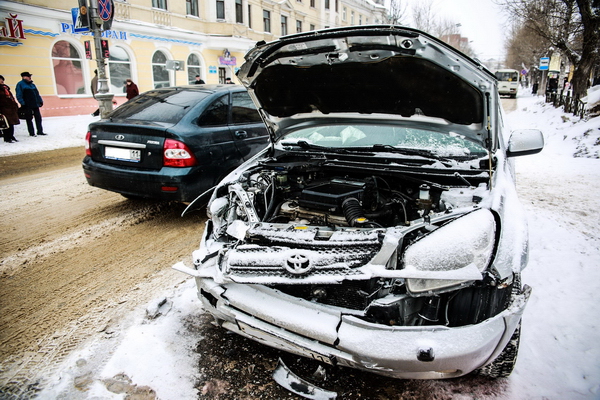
[{"x": 103, "y": 96}]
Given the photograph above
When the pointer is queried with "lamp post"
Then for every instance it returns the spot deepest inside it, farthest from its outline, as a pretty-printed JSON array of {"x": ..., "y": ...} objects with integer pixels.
[{"x": 103, "y": 96}]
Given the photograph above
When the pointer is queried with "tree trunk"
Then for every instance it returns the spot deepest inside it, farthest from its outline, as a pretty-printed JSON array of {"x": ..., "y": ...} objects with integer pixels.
[{"x": 591, "y": 41}]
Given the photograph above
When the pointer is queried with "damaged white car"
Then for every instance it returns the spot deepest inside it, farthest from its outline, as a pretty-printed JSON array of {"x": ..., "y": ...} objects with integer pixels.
[{"x": 380, "y": 230}]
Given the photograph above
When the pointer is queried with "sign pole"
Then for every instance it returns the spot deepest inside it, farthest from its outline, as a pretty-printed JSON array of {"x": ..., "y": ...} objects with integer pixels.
[{"x": 103, "y": 96}]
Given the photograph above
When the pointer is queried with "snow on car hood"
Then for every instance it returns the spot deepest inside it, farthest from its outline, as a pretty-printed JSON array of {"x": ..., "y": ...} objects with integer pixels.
[{"x": 384, "y": 73}]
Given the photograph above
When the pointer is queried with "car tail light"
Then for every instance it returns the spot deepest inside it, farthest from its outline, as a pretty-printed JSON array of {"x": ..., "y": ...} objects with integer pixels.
[
  {"x": 88, "y": 144},
  {"x": 177, "y": 154}
]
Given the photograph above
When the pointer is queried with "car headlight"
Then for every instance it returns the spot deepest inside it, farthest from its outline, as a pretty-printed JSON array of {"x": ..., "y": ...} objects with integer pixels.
[{"x": 465, "y": 244}]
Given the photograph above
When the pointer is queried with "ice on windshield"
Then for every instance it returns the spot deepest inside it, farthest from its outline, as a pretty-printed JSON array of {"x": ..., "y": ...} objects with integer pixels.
[{"x": 349, "y": 136}]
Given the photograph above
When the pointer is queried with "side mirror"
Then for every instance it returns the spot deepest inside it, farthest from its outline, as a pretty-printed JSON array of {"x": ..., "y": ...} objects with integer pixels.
[{"x": 524, "y": 142}]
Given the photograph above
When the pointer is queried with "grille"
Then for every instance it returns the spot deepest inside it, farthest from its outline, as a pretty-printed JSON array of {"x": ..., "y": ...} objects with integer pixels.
[{"x": 349, "y": 294}]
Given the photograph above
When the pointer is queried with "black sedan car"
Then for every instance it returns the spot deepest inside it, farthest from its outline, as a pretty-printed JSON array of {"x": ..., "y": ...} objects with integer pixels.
[{"x": 173, "y": 143}]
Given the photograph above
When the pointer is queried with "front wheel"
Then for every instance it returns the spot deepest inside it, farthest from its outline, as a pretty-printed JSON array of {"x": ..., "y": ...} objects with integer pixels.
[{"x": 504, "y": 364}]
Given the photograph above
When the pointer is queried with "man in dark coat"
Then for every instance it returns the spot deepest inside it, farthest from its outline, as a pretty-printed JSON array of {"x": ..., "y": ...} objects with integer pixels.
[
  {"x": 29, "y": 97},
  {"x": 8, "y": 108}
]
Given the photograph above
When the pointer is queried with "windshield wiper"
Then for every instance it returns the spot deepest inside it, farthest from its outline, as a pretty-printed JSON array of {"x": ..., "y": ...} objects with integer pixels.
[{"x": 310, "y": 146}]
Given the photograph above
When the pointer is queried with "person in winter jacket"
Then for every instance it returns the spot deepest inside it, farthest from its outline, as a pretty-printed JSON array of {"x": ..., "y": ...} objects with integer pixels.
[
  {"x": 131, "y": 89},
  {"x": 8, "y": 108},
  {"x": 94, "y": 88},
  {"x": 29, "y": 97}
]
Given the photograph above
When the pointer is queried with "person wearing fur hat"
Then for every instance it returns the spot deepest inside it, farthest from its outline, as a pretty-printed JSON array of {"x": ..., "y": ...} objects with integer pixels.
[{"x": 8, "y": 108}]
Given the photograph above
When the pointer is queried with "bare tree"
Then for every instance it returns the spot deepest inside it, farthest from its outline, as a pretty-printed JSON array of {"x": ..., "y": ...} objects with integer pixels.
[
  {"x": 424, "y": 17},
  {"x": 570, "y": 26},
  {"x": 396, "y": 13}
]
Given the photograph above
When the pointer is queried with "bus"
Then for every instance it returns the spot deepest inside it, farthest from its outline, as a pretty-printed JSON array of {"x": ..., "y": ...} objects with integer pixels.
[{"x": 508, "y": 82}]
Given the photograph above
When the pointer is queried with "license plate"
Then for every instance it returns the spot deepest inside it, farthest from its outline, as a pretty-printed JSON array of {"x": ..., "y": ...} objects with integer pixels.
[
  {"x": 117, "y": 153},
  {"x": 284, "y": 344}
]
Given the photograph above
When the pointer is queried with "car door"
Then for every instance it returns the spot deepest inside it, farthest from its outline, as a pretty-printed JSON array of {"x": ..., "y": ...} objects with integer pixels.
[
  {"x": 214, "y": 145},
  {"x": 248, "y": 130}
]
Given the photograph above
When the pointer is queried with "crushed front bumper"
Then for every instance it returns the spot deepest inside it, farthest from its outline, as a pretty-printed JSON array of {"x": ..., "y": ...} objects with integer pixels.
[{"x": 328, "y": 335}]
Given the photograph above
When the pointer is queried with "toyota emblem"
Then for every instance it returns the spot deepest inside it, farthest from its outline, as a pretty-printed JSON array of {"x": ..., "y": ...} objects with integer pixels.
[
  {"x": 119, "y": 137},
  {"x": 298, "y": 264}
]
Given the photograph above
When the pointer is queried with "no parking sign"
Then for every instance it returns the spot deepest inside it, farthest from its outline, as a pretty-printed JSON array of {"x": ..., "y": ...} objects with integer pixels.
[{"x": 106, "y": 11}]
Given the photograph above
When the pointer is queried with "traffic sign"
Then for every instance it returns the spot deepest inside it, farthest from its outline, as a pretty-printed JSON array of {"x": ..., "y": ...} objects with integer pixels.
[{"x": 544, "y": 63}]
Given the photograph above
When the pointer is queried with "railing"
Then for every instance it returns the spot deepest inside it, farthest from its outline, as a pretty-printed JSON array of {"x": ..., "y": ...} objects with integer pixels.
[{"x": 569, "y": 104}]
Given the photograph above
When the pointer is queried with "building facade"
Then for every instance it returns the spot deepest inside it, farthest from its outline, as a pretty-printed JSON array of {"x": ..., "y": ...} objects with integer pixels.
[{"x": 208, "y": 37}]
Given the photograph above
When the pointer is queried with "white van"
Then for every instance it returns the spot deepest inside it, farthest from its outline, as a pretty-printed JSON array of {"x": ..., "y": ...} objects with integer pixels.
[{"x": 508, "y": 82}]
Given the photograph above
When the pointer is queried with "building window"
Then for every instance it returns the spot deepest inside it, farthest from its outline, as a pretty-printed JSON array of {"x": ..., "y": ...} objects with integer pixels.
[
  {"x": 312, "y": 27},
  {"x": 160, "y": 74},
  {"x": 194, "y": 68},
  {"x": 298, "y": 26},
  {"x": 284, "y": 25},
  {"x": 344, "y": 11},
  {"x": 220, "y": 9},
  {"x": 68, "y": 74},
  {"x": 327, "y": 4},
  {"x": 249, "y": 16},
  {"x": 312, "y": 3},
  {"x": 119, "y": 69},
  {"x": 267, "y": 20},
  {"x": 191, "y": 7},
  {"x": 351, "y": 17},
  {"x": 162, "y": 4},
  {"x": 360, "y": 19},
  {"x": 239, "y": 12}
]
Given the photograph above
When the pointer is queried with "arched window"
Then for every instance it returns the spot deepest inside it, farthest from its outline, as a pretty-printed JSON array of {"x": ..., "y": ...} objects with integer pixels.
[
  {"x": 194, "y": 68},
  {"x": 67, "y": 63},
  {"x": 119, "y": 69},
  {"x": 160, "y": 74}
]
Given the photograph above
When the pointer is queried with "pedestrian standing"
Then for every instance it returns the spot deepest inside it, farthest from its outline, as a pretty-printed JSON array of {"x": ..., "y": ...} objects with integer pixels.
[
  {"x": 131, "y": 89},
  {"x": 94, "y": 88},
  {"x": 8, "y": 108},
  {"x": 29, "y": 97},
  {"x": 199, "y": 81}
]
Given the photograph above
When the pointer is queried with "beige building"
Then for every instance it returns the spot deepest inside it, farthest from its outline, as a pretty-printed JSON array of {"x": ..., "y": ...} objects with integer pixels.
[{"x": 208, "y": 37}]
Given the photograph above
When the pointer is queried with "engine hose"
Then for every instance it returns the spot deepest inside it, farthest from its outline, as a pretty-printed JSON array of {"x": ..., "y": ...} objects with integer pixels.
[{"x": 353, "y": 212}]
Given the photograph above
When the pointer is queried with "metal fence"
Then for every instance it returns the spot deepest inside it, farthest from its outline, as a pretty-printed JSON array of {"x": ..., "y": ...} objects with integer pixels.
[{"x": 569, "y": 104}]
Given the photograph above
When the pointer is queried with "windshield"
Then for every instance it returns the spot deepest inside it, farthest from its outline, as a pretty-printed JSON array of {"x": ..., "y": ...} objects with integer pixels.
[
  {"x": 386, "y": 138},
  {"x": 159, "y": 105},
  {"x": 512, "y": 76}
]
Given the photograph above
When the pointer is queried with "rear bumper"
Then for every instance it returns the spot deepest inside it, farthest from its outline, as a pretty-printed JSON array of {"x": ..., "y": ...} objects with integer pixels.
[
  {"x": 324, "y": 333},
  {"x": 174, "y": 184}
]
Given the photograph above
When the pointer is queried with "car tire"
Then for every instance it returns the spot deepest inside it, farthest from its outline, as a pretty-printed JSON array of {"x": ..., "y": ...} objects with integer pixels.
[{"x": 504, "y": 364}]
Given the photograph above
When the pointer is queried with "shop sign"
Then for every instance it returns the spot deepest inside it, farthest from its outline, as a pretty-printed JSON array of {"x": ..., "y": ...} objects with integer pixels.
[
  {"x": 226, "y": 59},
  {"x": 110, "y": 34},
  {"x": 13, "y": 28},
  {"x": 212, "y": 69}
]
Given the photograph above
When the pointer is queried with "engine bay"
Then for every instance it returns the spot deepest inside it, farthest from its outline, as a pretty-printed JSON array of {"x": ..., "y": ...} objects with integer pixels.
[{"x": 360, "y": 200}]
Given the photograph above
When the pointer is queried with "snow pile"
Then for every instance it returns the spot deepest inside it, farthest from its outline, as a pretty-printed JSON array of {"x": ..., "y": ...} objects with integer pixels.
[{"x": 593, "y": 100}]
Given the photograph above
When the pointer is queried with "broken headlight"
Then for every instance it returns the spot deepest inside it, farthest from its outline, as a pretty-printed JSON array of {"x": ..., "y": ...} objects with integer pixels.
[{"x": 457, "y": 252}]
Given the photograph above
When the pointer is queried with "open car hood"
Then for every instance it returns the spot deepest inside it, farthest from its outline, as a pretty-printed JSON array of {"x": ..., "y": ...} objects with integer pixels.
[{"x": 381, "y": 73}]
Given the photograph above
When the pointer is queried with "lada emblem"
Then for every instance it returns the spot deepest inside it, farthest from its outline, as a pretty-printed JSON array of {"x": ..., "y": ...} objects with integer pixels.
[
  {"x": 119, "y": 137},
  {"x": 298, "y": 264}
]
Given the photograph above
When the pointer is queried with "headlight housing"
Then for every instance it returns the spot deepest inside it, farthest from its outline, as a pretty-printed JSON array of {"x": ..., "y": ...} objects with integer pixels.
[{"x": 465, "y": 244}]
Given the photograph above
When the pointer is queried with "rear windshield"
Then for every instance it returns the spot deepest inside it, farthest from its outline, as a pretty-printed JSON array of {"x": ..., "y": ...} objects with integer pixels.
[{"x": 159, "y": 106}]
